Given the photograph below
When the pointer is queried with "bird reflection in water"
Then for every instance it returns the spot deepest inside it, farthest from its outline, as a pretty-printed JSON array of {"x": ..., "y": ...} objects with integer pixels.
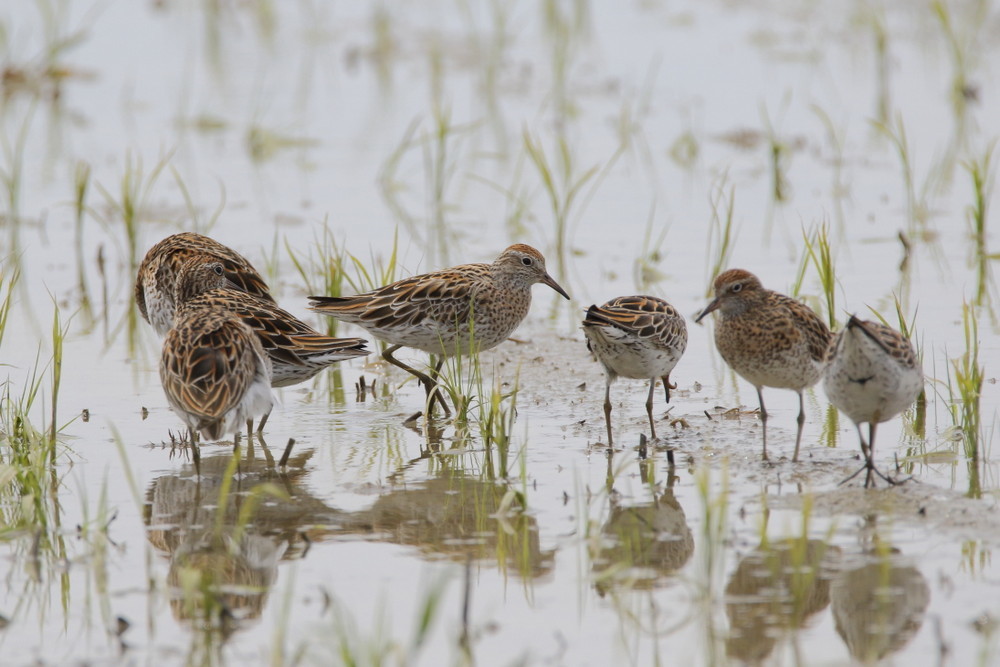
[
  {"x": 222, "y": 567},
  {"x": 775, "y": 588},
  {"x": 878, "y": 606},
  {"x": 456, "y": 516},
  {"x": 641, "y": 544}
]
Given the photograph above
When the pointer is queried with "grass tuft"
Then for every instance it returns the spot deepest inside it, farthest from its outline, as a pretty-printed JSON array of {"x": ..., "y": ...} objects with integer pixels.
[
  {"x": 820, "y": 255},
  {"x": 983, "y": 179},
  {"x": 720, "y": 232},
  {"x": 965, "y": 384}
]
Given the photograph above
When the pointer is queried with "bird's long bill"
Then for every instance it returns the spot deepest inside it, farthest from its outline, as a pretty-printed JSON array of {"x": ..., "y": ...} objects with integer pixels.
[
  {"x": 550, "y": 281},
  {"x": 709, "y": 308}
]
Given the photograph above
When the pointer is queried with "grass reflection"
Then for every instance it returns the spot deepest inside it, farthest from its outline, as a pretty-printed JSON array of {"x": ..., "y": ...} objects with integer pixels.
[{"x": 773, "y": 592}]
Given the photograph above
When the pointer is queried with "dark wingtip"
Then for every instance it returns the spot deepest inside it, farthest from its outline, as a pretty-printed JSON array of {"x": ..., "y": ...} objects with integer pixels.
[
  {"x": 316, "y": 301},
  {"x": 594, "y": 317}
]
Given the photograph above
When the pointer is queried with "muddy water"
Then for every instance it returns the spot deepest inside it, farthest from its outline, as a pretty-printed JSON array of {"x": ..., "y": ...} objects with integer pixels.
[{"x": 269, "y": 123}]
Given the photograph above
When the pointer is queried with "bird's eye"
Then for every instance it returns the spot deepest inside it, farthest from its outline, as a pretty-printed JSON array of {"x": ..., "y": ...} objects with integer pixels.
[
  {"x": 737, "y": 287},
  {"x": 526, "y": 261},
  {"x": 217, "y": 269}
]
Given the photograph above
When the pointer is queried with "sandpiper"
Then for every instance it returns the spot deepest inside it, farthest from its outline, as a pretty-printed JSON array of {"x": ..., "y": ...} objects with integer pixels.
[
  {"x": 872, "y": 375},
  {"x": 154, "y": 283},
  {"x": 457, "y": 311},
  {"x": 296, "y": 350},
  {"x": 214, "y": 372},
  {"x": 769, "y": 339},
  {"x": 639, "y": 337}
]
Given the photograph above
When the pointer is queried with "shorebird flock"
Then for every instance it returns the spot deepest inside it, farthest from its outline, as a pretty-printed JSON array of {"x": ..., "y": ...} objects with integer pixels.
[{"x": 227, "y": 343}]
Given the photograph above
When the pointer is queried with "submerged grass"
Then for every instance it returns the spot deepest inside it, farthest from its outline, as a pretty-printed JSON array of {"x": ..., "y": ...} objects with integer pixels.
[
  {"x": 441, "y": 151},
  {"x": 374, "y": 643},
  {"x": 440, "y": 167},
  {"x": 566, "y": 25},
  {"x": 30, "y": 507},
  {"x": 322, "y": 269},
  {"x": 963, "y": 49},
  {"x": 819, "y": 254},
  {"x": 646, "y": 267},
  {"x": 562, "y": 185},
  {"x": 12, "y": 174},
  {"x": 712, "y": 551},
  {"x": 10, "y": 273},
  {"x": 566, "y": 189},
  {"x": 795, "y": 565},
  {"x": 483, "y": 400},
  {"x": 81, "y": 185},
  {"x": 377, "y": 271},
  {"x": 720, "y": 233},
  {"x": 917, "y": 206},
  {"x": 778, "y": 153},
  {"x": 374, "y": 274},
  {"x": 964, "y": 390},
  {"x": 714, "y": 530},
  {"x": 198, "y": 223},
  {"x": 874, "y": 19},
  {"x": 968, "y": 374},
  {"x": 840, "y": 188},
  {"x": 983, "y": 179},
  {"x": 127, "y": 212},
  {"x": 496, "y": 425}
]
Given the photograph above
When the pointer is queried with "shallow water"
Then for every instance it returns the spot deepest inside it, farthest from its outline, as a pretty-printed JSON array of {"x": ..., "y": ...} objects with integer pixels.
[{"x": 265, "y": 124}]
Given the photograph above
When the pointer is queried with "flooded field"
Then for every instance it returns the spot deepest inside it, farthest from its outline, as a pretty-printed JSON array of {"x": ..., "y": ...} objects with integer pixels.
[{"x": 843, "y": 152}]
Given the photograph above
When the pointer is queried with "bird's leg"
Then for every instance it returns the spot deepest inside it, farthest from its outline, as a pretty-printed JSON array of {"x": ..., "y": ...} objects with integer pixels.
[
  {"x": 667, "y": 386},
  {"x": 867, "y": 450},
  {"x": 195, "y": 451},
  {"x": 871, "y": 458},
  {"x": 798, "y": 433},
  {"x": 251, "y": 451},
  {"x": 268, "y": 457},
  {"x": 649, "y": 406},
  {"x": 763, "y": 420},
  {"x": 387, "y": 355},
  {"x": 866, "y": 453},
  {"x": 871, "y": 445},
  {"x": 263, "y": 420},
  {"x": 423, "y": 378},
  {"x": 853, "y": 475},
  {"x": 434, "y": 393},
  {"x": 607, "y": 410}
]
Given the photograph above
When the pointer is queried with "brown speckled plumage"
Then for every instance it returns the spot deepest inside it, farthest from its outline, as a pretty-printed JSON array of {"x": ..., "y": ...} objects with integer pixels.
[
  {"x": 297, "y": 351},
  {"x": 214, "y": 372},
  {"x": 769, "y": 339},
  {"x": 157, "y": 275},
  {"x": 639, "y": 337},
  {"x": 455, "y": 311}
]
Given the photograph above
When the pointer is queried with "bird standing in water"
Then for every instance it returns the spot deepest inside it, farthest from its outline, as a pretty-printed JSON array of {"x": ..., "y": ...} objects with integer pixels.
[
  {"x": 457, "y": 311},
  {"x": 769, "y": 339},
  {"x": 638, "y": 337},
  {"x": 872, "y": 375}
]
